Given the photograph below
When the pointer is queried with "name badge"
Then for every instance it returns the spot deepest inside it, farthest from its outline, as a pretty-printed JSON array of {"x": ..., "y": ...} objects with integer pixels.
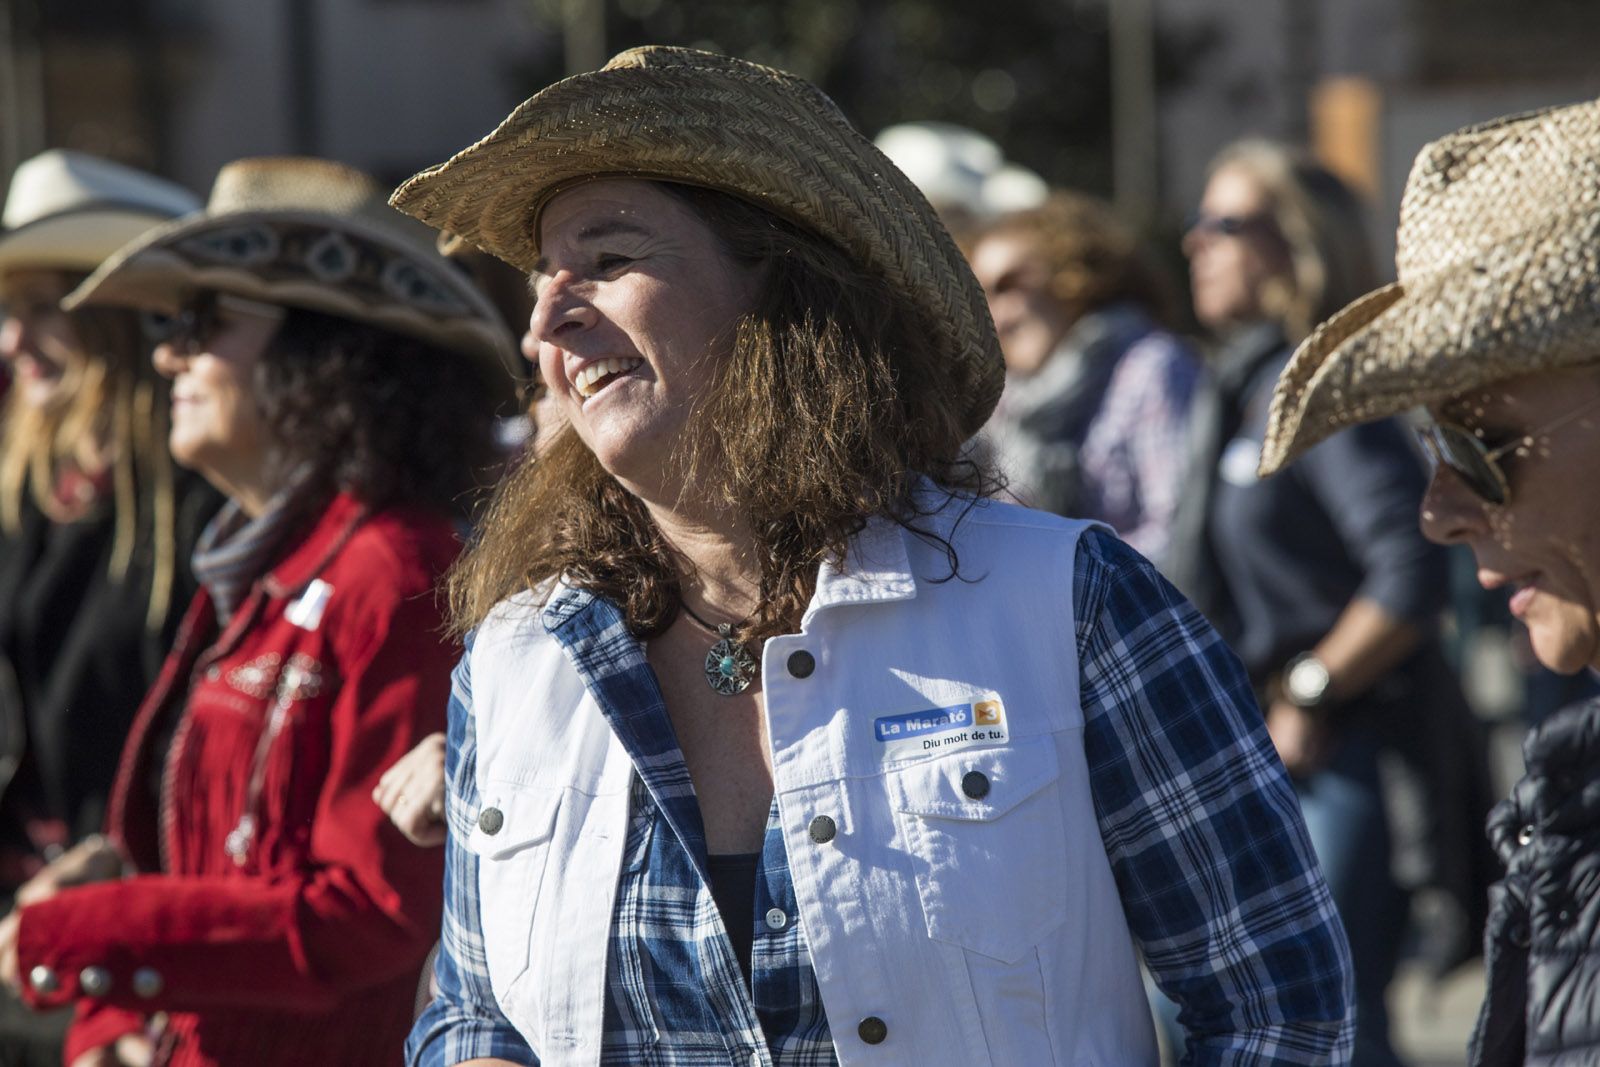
[
  {"x": 306, "y": 612},
  {"x": 977, "y": 724}
]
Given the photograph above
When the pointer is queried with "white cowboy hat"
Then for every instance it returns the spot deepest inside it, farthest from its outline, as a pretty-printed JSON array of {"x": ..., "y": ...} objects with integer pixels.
[{"x": 69, "y": 210}]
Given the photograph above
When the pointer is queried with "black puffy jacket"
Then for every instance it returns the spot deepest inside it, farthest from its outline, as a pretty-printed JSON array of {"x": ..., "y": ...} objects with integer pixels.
[{"x": 1542, "y": 947}]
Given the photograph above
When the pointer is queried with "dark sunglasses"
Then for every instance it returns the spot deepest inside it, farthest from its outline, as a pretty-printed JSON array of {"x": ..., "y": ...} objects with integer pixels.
[
  {"x": 1227, "y": 225},
  {"x": 1475, "y": 463},
  {"x": 193, "y": 327}
]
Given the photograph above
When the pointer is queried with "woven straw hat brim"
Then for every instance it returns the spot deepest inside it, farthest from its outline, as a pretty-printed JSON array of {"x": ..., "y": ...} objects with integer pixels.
[
  {"x": 1525, "y": 306},
  {"x": 156, "y": 273},
  {"x": 734, "y": 127}
]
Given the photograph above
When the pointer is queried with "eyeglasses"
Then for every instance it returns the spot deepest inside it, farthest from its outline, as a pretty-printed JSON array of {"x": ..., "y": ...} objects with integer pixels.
[
  {"x": 195, "y": 325},
  {"x": 1227, "y": 225},
  {"x": 1475, "y": 463}
]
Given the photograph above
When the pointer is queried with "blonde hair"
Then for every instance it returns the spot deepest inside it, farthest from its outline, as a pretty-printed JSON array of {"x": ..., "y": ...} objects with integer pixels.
[
  {"x": 1323, "y": 226},
  {"x": 113, "y": 396}
]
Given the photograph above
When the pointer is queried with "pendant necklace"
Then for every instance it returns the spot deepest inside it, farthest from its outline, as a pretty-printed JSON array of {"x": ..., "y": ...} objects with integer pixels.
[{"x": 729, "y": 664}]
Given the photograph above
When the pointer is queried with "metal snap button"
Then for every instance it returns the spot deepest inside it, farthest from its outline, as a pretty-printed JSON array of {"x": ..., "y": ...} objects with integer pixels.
[
  {"x": 777, "y": 919},
  {"x": 1525, "y": 835},
  {"x": 95, "y": 981},
  {"x": 873, "y": 1030},
  {"x": 975, "y": 784},
  {"x": 490, "y": 820},
  {"x": 44, "y": 980},
  {"x": 822, "y": 829},
  {"x": 802, "y": 663},
  {"x": 147, "y": 982}
]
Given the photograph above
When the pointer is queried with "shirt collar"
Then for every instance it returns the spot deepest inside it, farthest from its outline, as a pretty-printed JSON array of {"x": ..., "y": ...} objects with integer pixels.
[{"x": 876, "y": 569}]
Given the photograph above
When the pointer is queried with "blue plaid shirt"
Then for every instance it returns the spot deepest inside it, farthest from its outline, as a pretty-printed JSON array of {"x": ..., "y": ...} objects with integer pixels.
[{"x": 1241, "y": 932}]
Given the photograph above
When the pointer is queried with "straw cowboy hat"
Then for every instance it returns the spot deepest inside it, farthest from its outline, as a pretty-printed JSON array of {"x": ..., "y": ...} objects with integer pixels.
[
  {"x": 312, "y": 234},
  {"x": 69, "y": 210},
  {"x": 678, "y": 115},
  {"x": 1498, "y": 259}
]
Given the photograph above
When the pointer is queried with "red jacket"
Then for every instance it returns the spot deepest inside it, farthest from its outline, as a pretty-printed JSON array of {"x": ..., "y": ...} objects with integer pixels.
[{"x": 305, "y": 947}]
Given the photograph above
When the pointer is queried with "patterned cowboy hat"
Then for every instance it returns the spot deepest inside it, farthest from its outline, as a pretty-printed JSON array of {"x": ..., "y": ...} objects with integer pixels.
[
  {"x": 679, "y": 115},
  {"x": 1498, "y": 260},
  {"x": 312, "y": 234}
]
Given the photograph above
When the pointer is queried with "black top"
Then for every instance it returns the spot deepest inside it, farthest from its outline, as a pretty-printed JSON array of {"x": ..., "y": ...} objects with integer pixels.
[
  {"x": 733, "y": 887},
  {"x": 76, "y": 658},
  {"x": 1293, "y": 550}
]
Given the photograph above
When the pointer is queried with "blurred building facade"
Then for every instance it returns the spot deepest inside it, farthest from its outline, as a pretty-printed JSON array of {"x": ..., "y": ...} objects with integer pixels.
[
  {"x": 1366, "y": 82},
  {"x": 182, "y": 86}
]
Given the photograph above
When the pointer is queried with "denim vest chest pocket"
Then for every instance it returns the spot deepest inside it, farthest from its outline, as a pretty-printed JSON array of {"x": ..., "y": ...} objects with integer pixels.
[
  {"x": 511, "y": 836},
  {"x": 987, "y": 841}
]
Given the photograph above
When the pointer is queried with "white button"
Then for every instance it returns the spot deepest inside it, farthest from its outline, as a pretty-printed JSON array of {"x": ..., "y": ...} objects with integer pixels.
[
  {"x": 776, "y": 919},
  {"x": 755, "y": 1059}
]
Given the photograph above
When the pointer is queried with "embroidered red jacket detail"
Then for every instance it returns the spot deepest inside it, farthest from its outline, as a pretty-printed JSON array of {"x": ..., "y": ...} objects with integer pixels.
[{"x": 307, "y": 947}]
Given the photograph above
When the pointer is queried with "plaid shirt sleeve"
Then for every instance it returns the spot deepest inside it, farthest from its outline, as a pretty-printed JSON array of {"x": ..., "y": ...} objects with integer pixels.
[
  {"x": 463, "y": 1022},
  {"x": 1220, "y": 886}
]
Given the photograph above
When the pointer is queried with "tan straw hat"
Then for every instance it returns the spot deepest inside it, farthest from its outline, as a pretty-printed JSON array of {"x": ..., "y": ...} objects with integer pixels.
[
  {"x": 69, "y": 210},
  {"x": 312, "y": 234},
  {"x": 773, "y": 139},
  {"x": 1498, "y": 259}
]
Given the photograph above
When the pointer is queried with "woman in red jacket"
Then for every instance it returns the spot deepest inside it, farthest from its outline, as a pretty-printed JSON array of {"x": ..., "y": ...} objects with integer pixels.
[{"x": 336, "y": 378}]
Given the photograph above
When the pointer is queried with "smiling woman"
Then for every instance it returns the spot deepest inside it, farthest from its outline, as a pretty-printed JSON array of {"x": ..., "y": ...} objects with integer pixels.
[
  {"x": 1493, "y": 328},
  {"x": 96, "y": 526},
  {"x": 337, "y": 379},
  {"x": 684, "y": 825}
]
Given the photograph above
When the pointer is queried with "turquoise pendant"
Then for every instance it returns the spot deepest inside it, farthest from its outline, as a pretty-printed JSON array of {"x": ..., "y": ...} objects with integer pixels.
[{"x": 729, "y": 665}]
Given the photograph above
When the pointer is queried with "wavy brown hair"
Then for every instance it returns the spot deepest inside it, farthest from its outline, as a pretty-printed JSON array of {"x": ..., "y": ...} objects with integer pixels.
[
  {"x": 829, "y": 412},
  {"x": 1093, "y": 260}
]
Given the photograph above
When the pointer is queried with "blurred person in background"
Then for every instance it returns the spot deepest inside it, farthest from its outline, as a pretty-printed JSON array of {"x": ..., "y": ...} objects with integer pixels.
[
  {"x": 1318, "y": 576},
  {"x": 964, "y": 175},
  {"x": 337, "y": 379},
  {"x": 712, "y": 792},
  {"x": 96, "y": 526},
  {"x": 1494, "y": 327},
  {"x": 1093, "y": 419}
]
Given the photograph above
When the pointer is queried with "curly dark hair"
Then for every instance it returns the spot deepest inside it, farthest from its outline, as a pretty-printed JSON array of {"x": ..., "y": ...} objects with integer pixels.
[
  {"x": 391, "y": 419},
  {"x": 1093, "y": 260},
  {"x": 829, "y": 412}
]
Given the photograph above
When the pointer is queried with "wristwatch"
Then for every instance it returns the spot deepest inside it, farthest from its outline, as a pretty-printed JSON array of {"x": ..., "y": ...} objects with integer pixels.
[{"x": 1306, "y": 680}]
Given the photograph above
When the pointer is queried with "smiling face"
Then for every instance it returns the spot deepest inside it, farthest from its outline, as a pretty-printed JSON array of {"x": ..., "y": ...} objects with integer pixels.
[
  {"x": 636, "y": 302},
  {"x": 217, "y": 426},
  {"x": 1230, "y": 271},
  {"x": 1544, "y": 544},
  {"x": 1029, "y": 319},
  {"x": 37, "y": 340}
]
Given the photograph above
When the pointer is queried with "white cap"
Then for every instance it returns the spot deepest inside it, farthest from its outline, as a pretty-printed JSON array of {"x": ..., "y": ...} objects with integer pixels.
[{"x": 958, "y": 168}]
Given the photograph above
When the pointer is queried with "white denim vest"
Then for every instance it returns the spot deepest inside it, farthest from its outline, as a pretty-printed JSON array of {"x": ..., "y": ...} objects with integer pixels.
[{"x": 981, "y": 930}]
